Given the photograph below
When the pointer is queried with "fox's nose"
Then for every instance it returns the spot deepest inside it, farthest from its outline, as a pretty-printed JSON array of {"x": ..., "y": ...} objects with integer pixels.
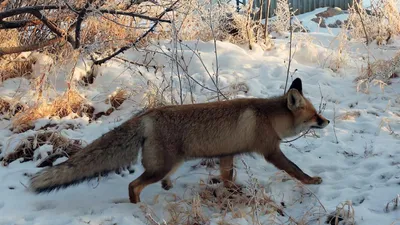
[
  {"x": 329, "y": 121},
  {"x": 320, "y": 121}
]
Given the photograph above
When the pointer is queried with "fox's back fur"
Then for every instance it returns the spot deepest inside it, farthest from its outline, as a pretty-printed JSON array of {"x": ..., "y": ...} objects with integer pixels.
[{"x": 172, "y": 134}]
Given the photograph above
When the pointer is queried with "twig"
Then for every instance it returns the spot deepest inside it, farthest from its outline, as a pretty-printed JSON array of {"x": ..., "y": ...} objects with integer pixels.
[
  {"x": 132, "y": 14},
  {"x": 79, "y": 21},
  {"x": 101, "y": 61},
  {"x": 266, "y": 20},
  {"x": 290, "y": 53},
  {"x": 297, "y": 137},
  {"x": 207, "y": 71},
  {"x": 334, "y": 124},
  {"x": 216, "y": 55},
  {"x": 185, "y": 69},
  {"x": 175, "y": 59},
  {"x": 357, "y": 7}
]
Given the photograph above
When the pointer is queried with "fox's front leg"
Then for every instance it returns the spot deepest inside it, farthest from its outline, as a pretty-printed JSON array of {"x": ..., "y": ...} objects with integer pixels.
[
  {"x": 281, "y": 162},
  {"x": 226, "y": 168}
]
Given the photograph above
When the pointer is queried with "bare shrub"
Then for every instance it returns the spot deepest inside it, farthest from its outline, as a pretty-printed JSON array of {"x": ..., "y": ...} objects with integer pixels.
[
  {"x": 283, "y": 16},
  {"x": 379, "y": 73},
  {"x": 26, "y": 148},
  {"x": 380, "y": 24}
]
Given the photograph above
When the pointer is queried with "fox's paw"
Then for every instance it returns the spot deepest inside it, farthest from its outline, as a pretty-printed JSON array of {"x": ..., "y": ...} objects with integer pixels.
[
  {"x": 316, "y": 180},
  {"x": 166, "y": 184}
]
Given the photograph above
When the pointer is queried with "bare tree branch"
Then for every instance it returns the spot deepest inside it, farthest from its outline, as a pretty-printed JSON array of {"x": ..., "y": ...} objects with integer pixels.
[
  {"x": 27, "y": 9},
  {"x": 53, "y": 27},
  {"x": 75, "y": 42},
  {"x": 11, "y": 50},
  {"x": 79, "y": 21},
  {"x": 30, "y": 9},
  {"x": 124, "y": 48},
  {"x": 132, "y": 14},
  {"x": 18, "y": 23}
]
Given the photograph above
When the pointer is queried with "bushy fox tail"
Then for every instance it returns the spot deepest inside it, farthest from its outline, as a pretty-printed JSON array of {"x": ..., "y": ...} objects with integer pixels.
[{"x": 113, "y": 150}]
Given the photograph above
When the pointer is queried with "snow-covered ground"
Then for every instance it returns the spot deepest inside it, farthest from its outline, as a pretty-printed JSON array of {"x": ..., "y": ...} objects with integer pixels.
[{"x": 358, "y": 156}]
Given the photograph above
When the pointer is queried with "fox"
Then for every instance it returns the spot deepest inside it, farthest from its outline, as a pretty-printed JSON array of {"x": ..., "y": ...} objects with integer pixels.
[{"x": 170, "y": 135}]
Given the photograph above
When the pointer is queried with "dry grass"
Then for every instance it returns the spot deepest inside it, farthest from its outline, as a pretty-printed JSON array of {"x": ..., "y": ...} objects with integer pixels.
[
  {"x": 70, "y": 102},
  {"x": 250, "y": 203},
  {"x": 393, "y": 204},
  {"x": 9, "y": 38},
  {"x": 395, "y": 222},
  {"x": 117, "y": 98},
  {"x": 379, "y": 73},
  {"x": 26, "y": 148},
  {"x": 344, "y": 214},
  {"x": 154, "y": 96},
  {"x": 381, "y": 24},
  {"x": 10, "y": 107},
  {"x": 348, "y": 115},
  {"x": 340, "y": 57},
  {"x": 11, "y": 65}
]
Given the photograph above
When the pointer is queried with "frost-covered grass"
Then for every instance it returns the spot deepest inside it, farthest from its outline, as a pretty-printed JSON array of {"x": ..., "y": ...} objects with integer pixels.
[{"x": 357, "y": 155}]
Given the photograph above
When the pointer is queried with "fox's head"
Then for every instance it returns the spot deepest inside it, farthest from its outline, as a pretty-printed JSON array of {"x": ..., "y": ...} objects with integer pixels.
[{"x": 304, "y": 114}]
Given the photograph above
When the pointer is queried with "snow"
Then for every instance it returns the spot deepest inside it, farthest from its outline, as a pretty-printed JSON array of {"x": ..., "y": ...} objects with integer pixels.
[{"x": 361, "y": 165}]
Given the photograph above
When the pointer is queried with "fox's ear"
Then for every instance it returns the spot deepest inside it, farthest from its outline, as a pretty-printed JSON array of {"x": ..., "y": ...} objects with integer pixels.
[
  {"x": 296, "y": 84},
  {"x": 295, "y": 100}
]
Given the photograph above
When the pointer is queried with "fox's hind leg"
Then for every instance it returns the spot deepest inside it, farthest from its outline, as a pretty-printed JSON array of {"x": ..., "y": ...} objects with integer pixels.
[
  {"x": 157, "y": 162},
  {"x": 147, "y": 178}
]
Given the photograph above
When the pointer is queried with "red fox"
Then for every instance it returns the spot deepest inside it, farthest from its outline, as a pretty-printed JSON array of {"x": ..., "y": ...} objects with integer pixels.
[{"x": 170, "y": 135}]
